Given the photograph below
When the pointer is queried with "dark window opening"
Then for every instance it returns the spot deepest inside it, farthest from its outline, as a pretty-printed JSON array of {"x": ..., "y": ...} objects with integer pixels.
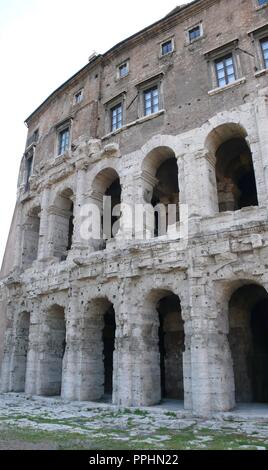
[
  {"x": 236, "y": 182},
  {"x": 171, "y": 347},
  {"x": 108, "y": 337},
  {"x": 29, "y": 170},
  {"x": 166, "y": 191},
  {"x": 248, "y": 338},
  {"x": 71, "y": 228}
]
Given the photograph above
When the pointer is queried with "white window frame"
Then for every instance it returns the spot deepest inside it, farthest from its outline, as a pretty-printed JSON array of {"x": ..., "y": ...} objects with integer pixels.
[
  {"x": 67, "y": 124},
  {"x": 169, "y": 39},
  {"x": 146, "y": 85},
  {"x": 78, "y": 92},
  {"x": 118, "y": 75},
  {"x": 188, "y": 30},
  {"x": 109, "y": 105},
  {"x": 230, "y": 48}
]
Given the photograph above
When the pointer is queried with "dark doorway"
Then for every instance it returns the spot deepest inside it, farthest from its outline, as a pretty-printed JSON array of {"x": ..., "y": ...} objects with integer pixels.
[
  {"x": 108, "y": 349},
  {"x": 171, "y": 347},
  {"x": 248, "y": 319},
  {"x": 235, "y": 176}
]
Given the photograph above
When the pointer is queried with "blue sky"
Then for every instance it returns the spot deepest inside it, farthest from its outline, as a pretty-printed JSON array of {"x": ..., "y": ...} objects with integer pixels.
[{"x": 43, "y": 43}]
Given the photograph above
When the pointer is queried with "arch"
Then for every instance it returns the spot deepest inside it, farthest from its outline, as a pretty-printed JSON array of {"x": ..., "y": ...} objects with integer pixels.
[
  {"x": 30, "y": 237},
  {"x": 235, "y": 176},
  {"x": 54, "y": 345},
  {"x": 63, "y": 223},
  {"x": 222, "y": 133},
  {"x": 161, "y": 187},
  {"x": 162, "y": 334},
  {"x": 106, "y": 193},
  {"x": 248, "y": 339}
]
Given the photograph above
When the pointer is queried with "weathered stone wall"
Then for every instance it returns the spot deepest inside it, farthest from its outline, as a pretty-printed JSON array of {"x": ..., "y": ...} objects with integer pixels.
[{"x": 68, "y": 292}]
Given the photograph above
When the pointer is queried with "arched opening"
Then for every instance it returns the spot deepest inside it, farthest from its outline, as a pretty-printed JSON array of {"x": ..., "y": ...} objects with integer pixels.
[
  {"x": 162, "y": 348},
  {"x": 21, "y": 352},
  {"x": 54, "y": 350},
  {"x": 108, "y": 337},
  {"x": 107, "y": 191},
  {"x": 171, "y": 347},
  {"x": 30, "y": 242},
  {"x": 162, "y": 187},
  {"x": 235, "y": 176},
  {"x": 63, "y": 213},
  {"x": 100, "y": 329},
  {"x": 248, "y": 337}
]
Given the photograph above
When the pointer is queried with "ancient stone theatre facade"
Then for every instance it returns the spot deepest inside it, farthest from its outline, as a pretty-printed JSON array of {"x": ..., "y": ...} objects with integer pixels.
[{"x": 176, "y": 113}]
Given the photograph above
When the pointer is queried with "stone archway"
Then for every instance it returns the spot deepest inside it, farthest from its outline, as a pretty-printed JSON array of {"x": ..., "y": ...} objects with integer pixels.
[
  {"x": 162, "y": 335},
  {"x": 106, "y": 195},
  {"x": 53, "y": 345},
  {"x": 161, "y": 187},
  {"x": 248, "y": 338},
  {"x": 235, "y": 176},
  {"x": 63, "y": 224}
]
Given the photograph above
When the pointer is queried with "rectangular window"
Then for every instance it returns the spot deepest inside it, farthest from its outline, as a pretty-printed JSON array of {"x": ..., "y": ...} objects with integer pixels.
[
  {"x": 64, "y": 140},
  {"x": 263, "y": 2},
  {"x": 225, "y": 70},
  {"x": 78, "y": 97},
  {"x": 28, "y": 168},
  {"x": 116, "y": 117},
  {"x": 264, "y": 47},
  {"x": 194, "y": 33},
  {"x": 167, "y": 47},
  {"x": 151, "y": 101},
  {"x": 123, "y": 70}
]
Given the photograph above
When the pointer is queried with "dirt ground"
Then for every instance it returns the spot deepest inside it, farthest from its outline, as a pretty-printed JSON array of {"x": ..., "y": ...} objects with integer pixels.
[{"x": 50, "y": 423}]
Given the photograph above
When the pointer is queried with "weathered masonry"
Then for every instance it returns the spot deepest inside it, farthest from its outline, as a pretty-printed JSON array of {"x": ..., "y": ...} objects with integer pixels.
[{"x": 176, "y": 113}]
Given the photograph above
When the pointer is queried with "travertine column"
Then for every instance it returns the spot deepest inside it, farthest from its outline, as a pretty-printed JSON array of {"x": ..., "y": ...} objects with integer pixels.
[
  {"x": 128, "y": 354},
  {"x": 212, "y": 377},
  {"x": 80, "y": 246},
  {"x": 34, "y": 350},
  {"x": 6, "y": 372},
  {"x": 45, "y": 249},
  {"x": 260, "y": 149}
]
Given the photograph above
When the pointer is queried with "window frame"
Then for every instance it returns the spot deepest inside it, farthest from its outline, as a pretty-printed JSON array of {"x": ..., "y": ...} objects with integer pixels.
[
  {"x": 108, "y": 107},
  {"x": 149, "y": 91},
  {"x": 146, "y": 85},
  {"x": 219, "y": 53},
  {"x": 223, "y": 60},
  {"x": 260, "y": 6},
  {"x": 28, "y": 156},
  {"x": 112, "y": 109},
  {"x": 257, "y": 36},
  {"x": 80, "y": 93},
  {"x": 199, "y": 25},
  {"x": 119, "y": 67},
  {"x": 166, "y": 41},
  {"x": 265, "y": 60}
]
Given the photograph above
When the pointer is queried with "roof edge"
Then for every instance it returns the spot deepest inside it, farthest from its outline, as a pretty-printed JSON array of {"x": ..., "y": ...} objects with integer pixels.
[{"x": 177, "y": 11}]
